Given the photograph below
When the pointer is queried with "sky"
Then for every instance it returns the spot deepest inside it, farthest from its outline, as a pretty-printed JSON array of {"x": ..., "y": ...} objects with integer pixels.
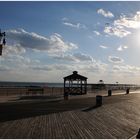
[{"x": 48, "y": 40}]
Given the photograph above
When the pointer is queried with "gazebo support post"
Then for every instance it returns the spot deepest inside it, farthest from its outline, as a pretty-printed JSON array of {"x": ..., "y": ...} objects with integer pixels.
[
  {"x": 85, "y": 87},
  {"x": 81, "y": 87},
  {"x": 65, "y": 93}
]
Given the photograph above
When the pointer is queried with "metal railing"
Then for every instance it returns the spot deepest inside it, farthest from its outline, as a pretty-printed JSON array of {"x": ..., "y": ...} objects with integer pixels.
[{"x": 54, "y": 91}]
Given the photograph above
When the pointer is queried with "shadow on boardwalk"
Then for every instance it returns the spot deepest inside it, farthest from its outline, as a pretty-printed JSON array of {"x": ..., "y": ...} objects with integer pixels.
[
  {"x": 25, "y": 107},
  {"x": 31, "y": 108},
  {"x": 90, "y": 108},
  {"x": 38, "y": 97}
]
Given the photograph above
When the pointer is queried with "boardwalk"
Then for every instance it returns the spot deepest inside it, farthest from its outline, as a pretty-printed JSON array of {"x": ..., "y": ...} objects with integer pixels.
[{"x": 119, "y": 117}]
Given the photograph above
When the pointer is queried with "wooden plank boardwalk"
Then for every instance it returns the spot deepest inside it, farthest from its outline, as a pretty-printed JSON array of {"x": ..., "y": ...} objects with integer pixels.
[{"x": 118, "y": 117}]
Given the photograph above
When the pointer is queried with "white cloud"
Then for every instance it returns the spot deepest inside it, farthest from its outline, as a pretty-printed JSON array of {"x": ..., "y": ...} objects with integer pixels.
[
  {"x": 116, "y": 31},
  {"x": 17, "y": 59},
  {"x": 4, "y": 68},
  {"x": 54, "y": 43},
  {"x": 15, "y": 49},
  {"x": 83, "y": 57},
  {"x": 121, "y": 48},
  {"x": 85, "y": 63},
  {"x": 17, "y": 62},
  {"x": 65, "y": 19},
  {"x": 103, "y": 47},
  {"x": 51, "y": 67},
  {"x": 20, "y": 69},
  {"x": 105, "y": 13},
  {"x": 115, "y": 59},
  {"x": 76, "y": 25},
  {"x": 68, "y": 57},
  {"x": 129, "y": 22},
  {"x": 41, "y": 67},
  {"x": 96, "y": 67},
  {"x": 121, "y": 27},
  {"x": 96, "y": 32},
  {"x": 76, "y": 57},
  {"x": 126, "y": 69},
  {"x": 13, "y": 57}
]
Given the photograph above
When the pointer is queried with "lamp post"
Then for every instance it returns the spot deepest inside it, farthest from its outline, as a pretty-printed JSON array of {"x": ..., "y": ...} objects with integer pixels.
[{"x": 2, "y": 41}]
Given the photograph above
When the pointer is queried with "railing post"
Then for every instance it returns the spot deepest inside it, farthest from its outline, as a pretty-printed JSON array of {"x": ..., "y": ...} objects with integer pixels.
[
  {"x": 127, "y": 91},
  {"x": 109, "y": 92}
]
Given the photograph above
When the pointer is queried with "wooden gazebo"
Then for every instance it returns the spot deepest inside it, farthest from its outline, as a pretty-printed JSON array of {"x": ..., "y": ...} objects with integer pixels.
[{"x": 75, "y": 84}]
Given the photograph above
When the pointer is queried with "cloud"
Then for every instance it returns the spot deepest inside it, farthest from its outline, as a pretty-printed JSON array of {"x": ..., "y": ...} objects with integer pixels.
[
  {"x": 77, "y": 25},
  {"x": 85, "y": 63},
  {"x": 120, "y": 26},
  {"x": 90, "y": 37},
  {"x": 105, "y": 13},
  {"x": 51, "y": 67},
  {"x": 96, "y": 66},
  {"x": 129, "y": 22},
  {"x": 68, "y": 57},
  {"x": 21, "y": 68},
  {"x": 115, "y": 59},
  {"x": 121, "y": 48},
  {"x": 96, "y": 32},
  {"x": 76, "y": 57},
  {"x": 15, "y": 49},
  {"x": 41, "y": 67},
  {"x": 4, "y": 68},
  {"x": 54, "y": 43},
  {"x": 17, "y": 59},
  {"x": 126, "y": 69},
  {"x": 116, "y": 31},
  {"x": 103, "y": 47},
  {"x": 65, "y": 19},
  {"x": 83, "y": 57}
]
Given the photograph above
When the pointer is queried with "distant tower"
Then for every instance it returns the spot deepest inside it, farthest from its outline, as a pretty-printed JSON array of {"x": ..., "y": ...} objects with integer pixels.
[{"x": 2, "y": 41}]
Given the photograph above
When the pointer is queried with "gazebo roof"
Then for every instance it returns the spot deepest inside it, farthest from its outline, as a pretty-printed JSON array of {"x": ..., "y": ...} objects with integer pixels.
[{"x": 75, "y": 76}]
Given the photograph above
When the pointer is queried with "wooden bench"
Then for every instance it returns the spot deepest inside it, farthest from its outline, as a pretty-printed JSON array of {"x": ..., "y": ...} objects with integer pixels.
[{"x": 35, "y": 90}]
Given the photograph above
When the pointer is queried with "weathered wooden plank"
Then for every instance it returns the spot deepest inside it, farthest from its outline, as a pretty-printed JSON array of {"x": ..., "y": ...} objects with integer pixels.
[{"x": 118, "y": 117}]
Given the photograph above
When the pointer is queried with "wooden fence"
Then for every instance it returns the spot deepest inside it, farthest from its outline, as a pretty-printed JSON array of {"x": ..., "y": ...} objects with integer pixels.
[{"x": 51, "y": 91}]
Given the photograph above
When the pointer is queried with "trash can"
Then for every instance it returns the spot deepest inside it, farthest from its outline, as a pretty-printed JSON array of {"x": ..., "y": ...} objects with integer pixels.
[
  {"x": 109, "y": 92},
  {"x": 98, "y": 100},
  {"x": 127, "y": 91}
]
